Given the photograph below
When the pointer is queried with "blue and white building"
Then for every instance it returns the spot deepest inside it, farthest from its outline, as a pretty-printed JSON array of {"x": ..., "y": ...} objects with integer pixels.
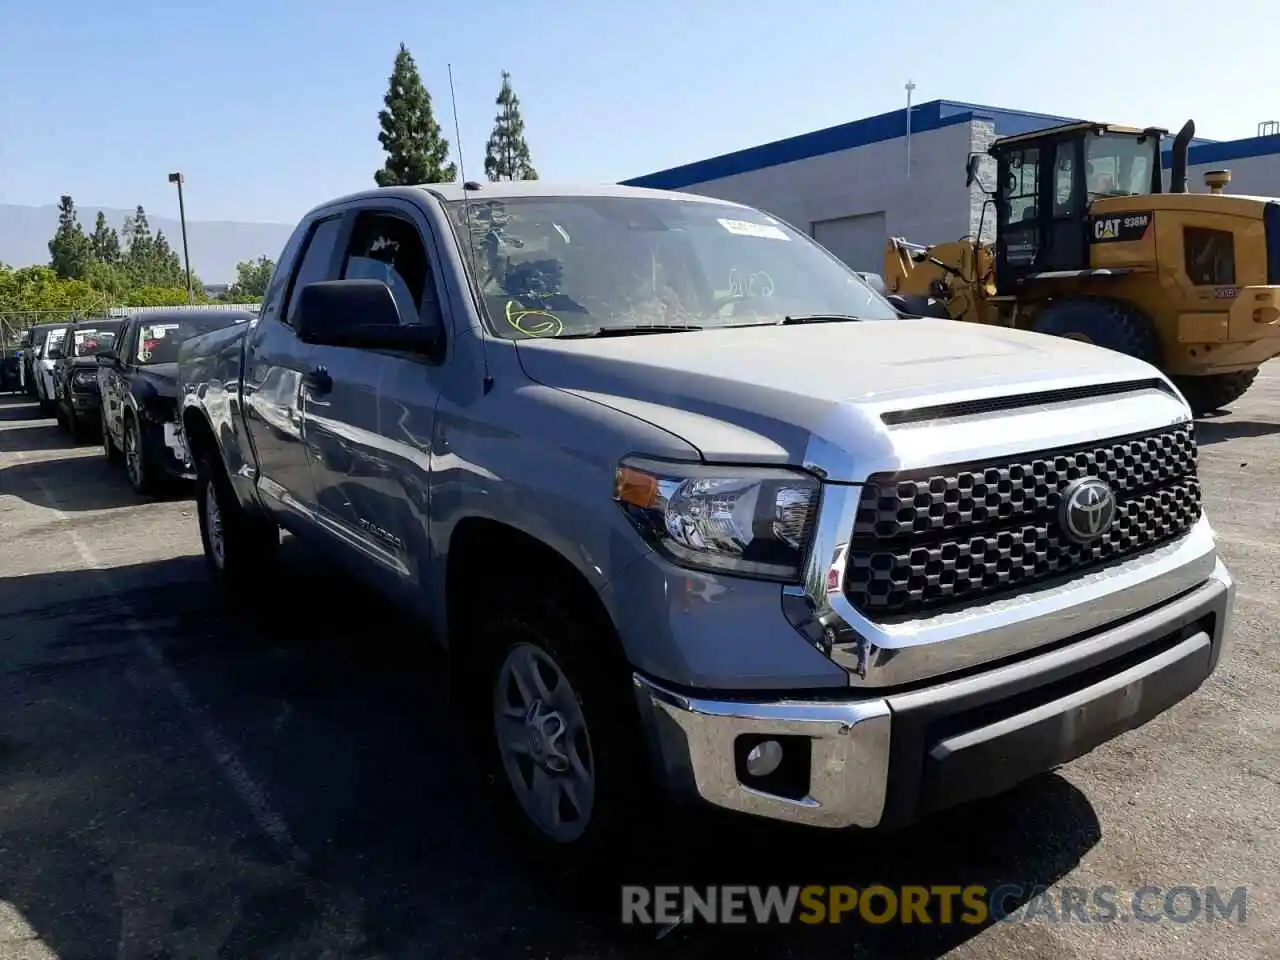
[{"x": 848, "y": 185}]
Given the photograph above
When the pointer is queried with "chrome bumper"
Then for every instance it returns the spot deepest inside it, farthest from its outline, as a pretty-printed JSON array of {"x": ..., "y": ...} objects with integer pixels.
[{"x": 879, "y": 761}]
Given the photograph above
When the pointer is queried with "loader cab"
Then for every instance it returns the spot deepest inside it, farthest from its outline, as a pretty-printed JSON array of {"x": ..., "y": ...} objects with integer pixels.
[{"x": 1044, "y": 183}]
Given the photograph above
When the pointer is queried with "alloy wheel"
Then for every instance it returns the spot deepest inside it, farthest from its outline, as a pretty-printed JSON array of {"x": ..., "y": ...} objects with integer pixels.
[{"x": 543, "y": 742}]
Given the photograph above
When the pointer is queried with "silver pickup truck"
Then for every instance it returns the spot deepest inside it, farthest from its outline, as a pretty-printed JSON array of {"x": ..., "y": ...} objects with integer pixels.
[{"x": 692, "y": 508}]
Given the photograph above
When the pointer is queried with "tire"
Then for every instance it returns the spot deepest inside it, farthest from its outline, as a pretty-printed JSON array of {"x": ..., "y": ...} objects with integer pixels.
[
  {"x": 75, "y": 426},
  {"x": 137, "y": 465},
  {"x": 1213, "y": 392},
  {"x": 1112, "y": 324},
  {"x": 109, "y": 447},
  {"x": 595, "y": 709},
  {"x": 238, "y": 547}
]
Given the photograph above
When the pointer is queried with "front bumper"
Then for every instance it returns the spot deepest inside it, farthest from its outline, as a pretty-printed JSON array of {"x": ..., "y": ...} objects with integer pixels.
[
  {"x": 85, "y": 405},
  {"x": 887, "y": 760}
]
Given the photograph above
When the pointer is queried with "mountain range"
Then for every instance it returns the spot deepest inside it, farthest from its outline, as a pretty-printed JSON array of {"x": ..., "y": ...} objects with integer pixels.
[{"x": 216, "y": 245}]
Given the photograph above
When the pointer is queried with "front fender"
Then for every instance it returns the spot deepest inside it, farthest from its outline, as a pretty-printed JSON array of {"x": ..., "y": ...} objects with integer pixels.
[{"x": 540, "y": 461}]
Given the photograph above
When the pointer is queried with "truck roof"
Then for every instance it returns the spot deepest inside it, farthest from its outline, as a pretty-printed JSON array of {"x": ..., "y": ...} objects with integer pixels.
[{"x": 509, "y": 189}]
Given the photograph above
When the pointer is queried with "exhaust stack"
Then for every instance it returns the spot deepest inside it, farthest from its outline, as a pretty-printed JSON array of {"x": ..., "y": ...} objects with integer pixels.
[{"x": 1178, "y": 169}]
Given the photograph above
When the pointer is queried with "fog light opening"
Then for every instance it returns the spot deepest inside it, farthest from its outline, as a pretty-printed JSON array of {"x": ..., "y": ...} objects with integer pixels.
[{"x": 764, "y": 758}]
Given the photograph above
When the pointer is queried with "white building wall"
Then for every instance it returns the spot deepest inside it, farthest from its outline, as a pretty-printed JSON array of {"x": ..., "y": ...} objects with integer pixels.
[
  {"x": 1251, "y": 176},
  {"x": 929, "y": 207}
]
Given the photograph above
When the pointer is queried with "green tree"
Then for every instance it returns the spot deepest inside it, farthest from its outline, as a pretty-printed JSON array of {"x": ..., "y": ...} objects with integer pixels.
[
  {"x": 139, "y": 244},
  {"x": 40, "y": 288},
  {"x": 506, "y": 155},
  {"x": 69, "y": 251},
  {"x": 417, "y": 151},
  {"x": 252, "y": 277},
  {"x": 104, "y": 242},
  {"x": 166, "y": 267}
]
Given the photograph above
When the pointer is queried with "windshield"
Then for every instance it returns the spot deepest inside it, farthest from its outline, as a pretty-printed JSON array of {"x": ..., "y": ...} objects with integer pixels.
[
  {"x": 1118, "y": 165},
  {"x": 559, "y": 266},
  {"x": 87, "y": 341},
  {"x": 158, "y": 342},
  {"x": 53, "y": 343}
]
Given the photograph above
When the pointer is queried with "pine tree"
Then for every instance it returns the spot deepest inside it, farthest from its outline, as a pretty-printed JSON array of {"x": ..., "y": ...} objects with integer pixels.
[
  {"x": 417, "y": 151},
  {"x": 69, "y": 250},
  {"x": 139, "y": 245},
  {"x": 166, "y": 267},
  {"x": 506, "y": 155},
  {"x": 104, "y": 242}
]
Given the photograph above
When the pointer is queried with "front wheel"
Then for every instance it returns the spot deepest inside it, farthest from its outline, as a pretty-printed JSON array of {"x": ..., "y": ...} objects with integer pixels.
[
  {"x": 137, "y": 463},
  {"x": 238, "y": 546},
  {"x": 1103, "y": 322},
  {"x": 561, "y": 750},
  {"x": 109, "y": 447},
  {"x": 1213, "y": 392}
]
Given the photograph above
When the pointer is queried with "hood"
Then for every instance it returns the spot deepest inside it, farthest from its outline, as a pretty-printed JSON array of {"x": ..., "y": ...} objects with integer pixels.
[
  {"x": 777, "y": 394},
  {"x": 161, "y": 378}
]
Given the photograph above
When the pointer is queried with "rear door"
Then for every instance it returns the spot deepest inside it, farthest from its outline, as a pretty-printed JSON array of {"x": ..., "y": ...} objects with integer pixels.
[
  {"x": 275, "y": 364},
  {"x": 370, "y": 432}
]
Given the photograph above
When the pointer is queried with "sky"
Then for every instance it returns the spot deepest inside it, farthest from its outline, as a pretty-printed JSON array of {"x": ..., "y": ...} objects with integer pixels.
[{"x": 270, "y": 107}]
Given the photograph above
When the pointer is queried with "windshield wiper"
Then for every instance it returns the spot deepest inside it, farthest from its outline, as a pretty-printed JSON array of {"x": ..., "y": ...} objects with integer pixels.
[
  {"x": 816, "y": 318},
  {"x": 631, "y": 330}
]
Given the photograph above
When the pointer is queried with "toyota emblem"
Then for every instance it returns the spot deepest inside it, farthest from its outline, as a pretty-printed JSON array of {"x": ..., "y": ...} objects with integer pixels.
[{"x": 1087, "y": 510}]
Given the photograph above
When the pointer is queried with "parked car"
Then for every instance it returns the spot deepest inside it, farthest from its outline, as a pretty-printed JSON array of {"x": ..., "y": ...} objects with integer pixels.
[
  {"x": 665, "y": 414},
  {"x": 75, "y": 375},
  {"x": 11, "y": 371},
  {"x": 51, "y": 352},
  {"x": 32, "y": 351},
  {"x": 138, "y": 382}
]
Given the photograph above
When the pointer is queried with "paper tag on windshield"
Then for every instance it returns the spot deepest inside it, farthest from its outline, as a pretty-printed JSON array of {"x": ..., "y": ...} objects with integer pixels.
[
  {"x": 160, "y": 329},
  {"x": 745, "y": 228}
]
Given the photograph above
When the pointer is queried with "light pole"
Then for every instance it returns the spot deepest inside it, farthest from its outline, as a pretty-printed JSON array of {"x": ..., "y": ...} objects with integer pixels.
[
  {"x": 910, "y": 87},
  {"x": 182, "y": 216}
]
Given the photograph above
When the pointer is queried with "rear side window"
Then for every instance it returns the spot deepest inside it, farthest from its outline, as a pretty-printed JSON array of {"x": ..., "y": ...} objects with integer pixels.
[
  {"x": 1211, "y": 256},
  {"x": 317, "y": 260}
]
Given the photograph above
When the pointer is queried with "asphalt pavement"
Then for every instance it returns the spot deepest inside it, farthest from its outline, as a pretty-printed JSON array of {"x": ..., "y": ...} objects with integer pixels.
[{"x": 183, "y": 780}]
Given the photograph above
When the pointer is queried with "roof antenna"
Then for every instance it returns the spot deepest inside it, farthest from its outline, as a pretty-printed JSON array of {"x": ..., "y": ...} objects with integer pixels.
[{"x": 467, "y": 187}]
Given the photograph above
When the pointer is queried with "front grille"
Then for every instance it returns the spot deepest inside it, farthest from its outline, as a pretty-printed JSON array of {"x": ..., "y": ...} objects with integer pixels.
[{"x": 927, "y": 539}]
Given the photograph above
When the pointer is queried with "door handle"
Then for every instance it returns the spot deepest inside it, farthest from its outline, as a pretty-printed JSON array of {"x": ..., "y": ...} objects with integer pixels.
[{"x": 318, "y": 380}]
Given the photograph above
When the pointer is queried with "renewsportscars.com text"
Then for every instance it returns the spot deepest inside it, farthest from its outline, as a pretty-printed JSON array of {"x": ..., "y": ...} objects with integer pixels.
[{"x": 973, "y": 904}]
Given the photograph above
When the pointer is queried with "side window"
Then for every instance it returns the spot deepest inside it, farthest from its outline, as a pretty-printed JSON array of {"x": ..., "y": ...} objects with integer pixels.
[
  {"x": 1210, "y": 256},
  {"x": 1064, "y": 181},
  {"x": 1022, "y": 185},
  {"x": 317, "y": 259},
  {"x": 123, "y": 347},
  {"x": 389, "y": 248}
]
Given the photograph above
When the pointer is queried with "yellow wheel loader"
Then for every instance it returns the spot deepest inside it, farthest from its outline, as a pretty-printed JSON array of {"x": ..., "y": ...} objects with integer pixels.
[{"x": 1088, "y": 246}]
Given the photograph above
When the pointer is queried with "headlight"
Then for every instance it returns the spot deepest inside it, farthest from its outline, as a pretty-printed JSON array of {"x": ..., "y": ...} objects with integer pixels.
[
  {"x": 751, "y": 521},
  {"x": 84, "y": 378}
]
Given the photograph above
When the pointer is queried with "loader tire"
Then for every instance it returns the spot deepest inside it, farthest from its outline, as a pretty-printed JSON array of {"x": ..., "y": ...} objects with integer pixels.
[
  {"x": 1213, "y": 392},
  {"x": 1105, "y": 323}
]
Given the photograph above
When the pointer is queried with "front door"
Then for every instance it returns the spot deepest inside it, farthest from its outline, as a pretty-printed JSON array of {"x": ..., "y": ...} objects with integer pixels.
[
  {"x": 370, "y": 431},
  {"x": 275, "y": 364},
  {"x": 114, "y": 382}
]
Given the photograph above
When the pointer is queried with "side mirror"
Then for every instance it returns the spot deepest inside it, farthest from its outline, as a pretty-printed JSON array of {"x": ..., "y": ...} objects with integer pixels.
[
  {"x": 107, "y": 358},
  {"x": 362, "y": 314}
]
